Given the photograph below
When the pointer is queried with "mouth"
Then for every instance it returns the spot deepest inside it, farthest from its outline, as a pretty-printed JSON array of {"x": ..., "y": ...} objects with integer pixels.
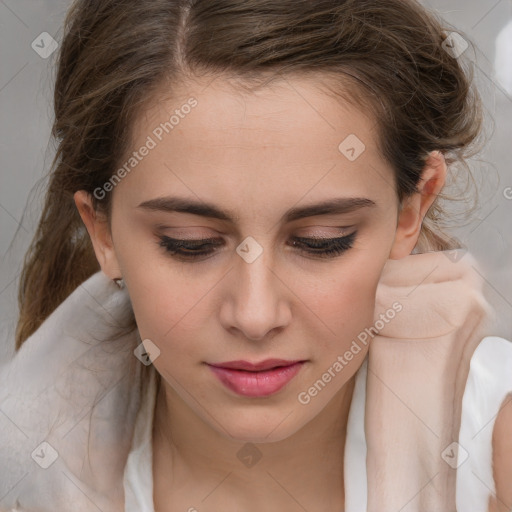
[
  {"x": 256, "y": 379},
  {"x": 267, "y": 364}
]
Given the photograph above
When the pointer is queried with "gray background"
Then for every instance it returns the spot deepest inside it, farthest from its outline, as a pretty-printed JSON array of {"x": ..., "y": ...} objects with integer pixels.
[{"x": 25, "y": 103}]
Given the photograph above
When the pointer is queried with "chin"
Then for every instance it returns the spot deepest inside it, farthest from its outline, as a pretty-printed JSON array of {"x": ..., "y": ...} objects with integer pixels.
[{"x": 261, "y": 429}]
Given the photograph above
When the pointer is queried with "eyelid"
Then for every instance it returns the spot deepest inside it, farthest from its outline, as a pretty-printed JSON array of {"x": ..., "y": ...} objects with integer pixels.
[
  {"x": 327, "y": 248},
  {"x": 214, "y": 240},
  {"x": 326, "y": 232},
  {"x": 182, "y": 233}
]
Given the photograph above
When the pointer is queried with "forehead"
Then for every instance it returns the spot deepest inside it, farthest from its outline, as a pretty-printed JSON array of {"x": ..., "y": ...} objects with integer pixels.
[
  {"x": 289, "y": 136},
  {"x": 293, "y": 109}
]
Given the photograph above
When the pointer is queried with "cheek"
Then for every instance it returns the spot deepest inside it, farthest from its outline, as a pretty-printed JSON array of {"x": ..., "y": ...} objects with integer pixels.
[
  {"x": 169, "y": 316},
  {"x": 164, "y": 295},
  {"x": 343, "y": 305},
  {"x": 174, "y": 306},
  {"x": 168, "y": 306}
]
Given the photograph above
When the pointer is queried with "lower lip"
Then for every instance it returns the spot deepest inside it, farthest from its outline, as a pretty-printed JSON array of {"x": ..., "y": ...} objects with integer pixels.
[{"x": 256, "y": 384}]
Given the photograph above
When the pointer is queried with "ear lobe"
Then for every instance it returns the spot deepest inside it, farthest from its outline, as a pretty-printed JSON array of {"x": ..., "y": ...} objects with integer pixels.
[
  {"x": 416, "y": 206},
  {"x": 99, "y": 232}
]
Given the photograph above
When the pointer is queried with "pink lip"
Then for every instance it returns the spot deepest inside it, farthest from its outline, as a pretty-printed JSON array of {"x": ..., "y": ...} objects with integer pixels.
[
  {"x": 259, "y": 379},
  {"x": 267, "y": 364}
]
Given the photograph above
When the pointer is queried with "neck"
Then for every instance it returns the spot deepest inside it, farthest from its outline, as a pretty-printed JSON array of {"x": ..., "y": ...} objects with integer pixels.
[{"x": 304, "y": 466}]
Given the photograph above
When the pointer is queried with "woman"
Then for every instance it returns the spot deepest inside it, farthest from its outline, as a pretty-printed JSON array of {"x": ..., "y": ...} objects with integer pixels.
[{"x": 261, "y": 182}]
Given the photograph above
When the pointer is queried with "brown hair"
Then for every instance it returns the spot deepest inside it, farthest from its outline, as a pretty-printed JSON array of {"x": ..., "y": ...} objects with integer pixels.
[{"x": 387, "y": 54}]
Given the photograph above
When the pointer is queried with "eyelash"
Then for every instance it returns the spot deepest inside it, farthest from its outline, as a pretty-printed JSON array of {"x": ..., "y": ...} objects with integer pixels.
[{"x": 329, "y": 247}]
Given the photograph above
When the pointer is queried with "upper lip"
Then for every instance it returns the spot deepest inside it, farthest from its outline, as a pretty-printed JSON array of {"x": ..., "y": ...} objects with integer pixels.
[{"x": 267, "y": 364}]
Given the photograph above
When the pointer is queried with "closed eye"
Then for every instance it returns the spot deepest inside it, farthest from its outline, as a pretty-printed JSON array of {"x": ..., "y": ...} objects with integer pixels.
[{"x": 189, "y": 250}]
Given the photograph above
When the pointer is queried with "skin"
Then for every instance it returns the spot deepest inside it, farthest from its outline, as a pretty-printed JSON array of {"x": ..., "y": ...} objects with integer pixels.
[
  {"x": 502, "y": 458},
  {"x": 256, "y": 155}
]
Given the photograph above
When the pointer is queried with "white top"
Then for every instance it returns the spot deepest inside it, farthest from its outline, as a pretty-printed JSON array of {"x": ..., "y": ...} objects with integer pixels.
[{"x": 486, "y": 388}]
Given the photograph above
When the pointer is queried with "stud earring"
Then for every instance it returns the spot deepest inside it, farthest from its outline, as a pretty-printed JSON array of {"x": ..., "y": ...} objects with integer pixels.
[{"x": 119, "y": 282}]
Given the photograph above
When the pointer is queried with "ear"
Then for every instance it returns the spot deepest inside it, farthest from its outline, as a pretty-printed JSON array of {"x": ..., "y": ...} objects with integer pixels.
[
  {"x": 415, "y": 207},
  {"x": 99, "y": 231}
]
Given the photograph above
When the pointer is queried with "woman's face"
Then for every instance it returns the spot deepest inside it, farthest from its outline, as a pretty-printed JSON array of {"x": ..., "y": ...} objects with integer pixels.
[{"x": 253, "y": 173}]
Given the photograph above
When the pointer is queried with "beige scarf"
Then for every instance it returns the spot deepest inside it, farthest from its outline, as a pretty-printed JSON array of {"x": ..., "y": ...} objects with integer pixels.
[
  {"x": 417, "y": 372},
  {"x": 68, "y": 399}
]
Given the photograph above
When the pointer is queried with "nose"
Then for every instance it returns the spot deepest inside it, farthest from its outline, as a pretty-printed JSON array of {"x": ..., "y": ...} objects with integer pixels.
[{"x": 257, "y": 300}]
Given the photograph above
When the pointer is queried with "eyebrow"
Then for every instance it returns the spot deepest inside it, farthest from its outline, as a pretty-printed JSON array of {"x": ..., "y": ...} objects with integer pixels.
[{"x": 335, "y": 206}]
